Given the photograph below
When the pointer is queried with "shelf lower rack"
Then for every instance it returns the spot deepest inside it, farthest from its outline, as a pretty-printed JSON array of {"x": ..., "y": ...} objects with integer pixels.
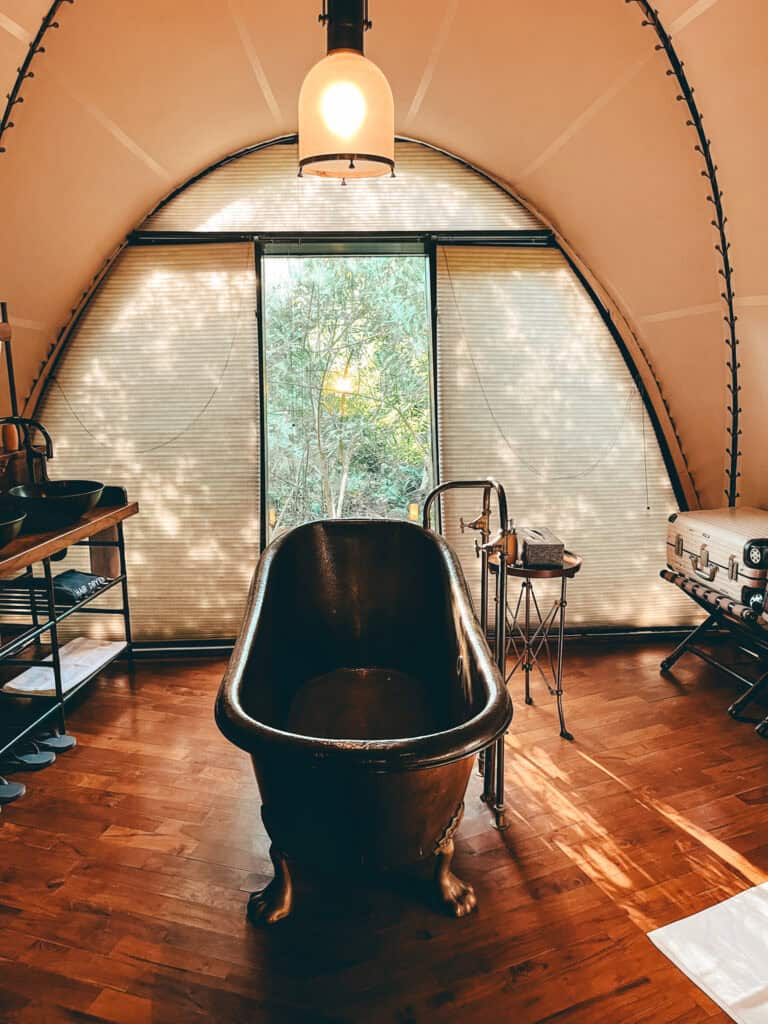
[{"x": 36, "y": 606}]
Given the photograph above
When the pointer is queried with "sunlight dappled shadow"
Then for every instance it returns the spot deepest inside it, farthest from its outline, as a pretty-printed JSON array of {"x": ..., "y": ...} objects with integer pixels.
[
  {"x": 633, "y": 874},
  {"x": 261, "y": 190},
  {"x": 157, "y": 392},
  {"x": 534, "y": 391}
]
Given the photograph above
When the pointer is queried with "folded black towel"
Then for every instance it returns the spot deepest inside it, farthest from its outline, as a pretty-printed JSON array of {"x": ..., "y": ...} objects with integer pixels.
[
  {"x": 69, "y": 587},
  {"x": 72, "y": 586}
]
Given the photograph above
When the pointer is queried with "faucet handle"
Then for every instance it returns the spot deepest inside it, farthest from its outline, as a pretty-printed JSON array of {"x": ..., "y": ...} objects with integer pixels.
[{"x": 481, "y": 523}]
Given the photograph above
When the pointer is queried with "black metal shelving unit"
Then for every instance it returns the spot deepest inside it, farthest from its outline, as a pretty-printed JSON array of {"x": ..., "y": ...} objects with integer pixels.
[{"x": 33, "y": 598}]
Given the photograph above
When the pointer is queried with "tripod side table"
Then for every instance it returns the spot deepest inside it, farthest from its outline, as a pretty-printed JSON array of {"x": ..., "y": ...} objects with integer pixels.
[{"x": 532, "y": 636}]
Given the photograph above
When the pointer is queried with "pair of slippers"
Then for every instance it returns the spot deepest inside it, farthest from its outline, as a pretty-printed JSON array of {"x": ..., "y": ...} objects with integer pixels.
[
  {"x": 55, "y": 742},
  {"x": 31, "y": 757}
]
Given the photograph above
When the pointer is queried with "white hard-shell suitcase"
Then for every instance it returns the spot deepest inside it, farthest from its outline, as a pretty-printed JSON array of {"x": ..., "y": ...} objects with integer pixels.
[{"x": 726, "y": 548}]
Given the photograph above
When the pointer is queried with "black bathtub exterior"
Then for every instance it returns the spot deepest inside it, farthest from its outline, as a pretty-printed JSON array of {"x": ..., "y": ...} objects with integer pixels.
[{"x": 356, "y": 594}]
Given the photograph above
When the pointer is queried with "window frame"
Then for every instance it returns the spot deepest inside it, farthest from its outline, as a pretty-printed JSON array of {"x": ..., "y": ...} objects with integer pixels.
[{"x": 341, "y": 248}]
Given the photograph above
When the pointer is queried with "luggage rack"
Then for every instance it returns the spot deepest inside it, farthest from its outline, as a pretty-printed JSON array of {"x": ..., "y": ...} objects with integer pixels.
[{"x": 734, "y": 619}]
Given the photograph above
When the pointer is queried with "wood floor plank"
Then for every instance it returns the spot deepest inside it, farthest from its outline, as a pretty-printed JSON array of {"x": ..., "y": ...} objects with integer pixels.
[{"x": 124, "y": 871}]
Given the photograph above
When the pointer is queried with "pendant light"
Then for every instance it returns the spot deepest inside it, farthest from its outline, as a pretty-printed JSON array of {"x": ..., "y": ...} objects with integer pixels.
[{"x": 346, "y": 111}]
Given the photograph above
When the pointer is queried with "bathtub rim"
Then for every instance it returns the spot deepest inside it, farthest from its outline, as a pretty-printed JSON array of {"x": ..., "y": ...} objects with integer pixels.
[{"x": 404, "y": 754}]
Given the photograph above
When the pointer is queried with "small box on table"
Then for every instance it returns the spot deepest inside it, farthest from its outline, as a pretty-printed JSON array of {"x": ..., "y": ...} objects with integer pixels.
[{"x": 540, "y": 548}]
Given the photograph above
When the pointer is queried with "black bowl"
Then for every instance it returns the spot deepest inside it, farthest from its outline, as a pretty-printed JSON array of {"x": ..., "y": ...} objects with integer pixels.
[
  {"x": 11, "y": 522},
  {"x": 56, "y": 502}
]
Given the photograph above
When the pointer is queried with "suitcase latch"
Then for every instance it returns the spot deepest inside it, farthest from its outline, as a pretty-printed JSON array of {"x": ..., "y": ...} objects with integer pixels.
[
  {"x": 701, "y": 565},
  {"x": 733, "y": 568},
  {"x": 679, "y": 545}
]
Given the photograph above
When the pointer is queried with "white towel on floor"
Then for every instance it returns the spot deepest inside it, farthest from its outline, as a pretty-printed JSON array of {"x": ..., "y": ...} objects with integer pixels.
[
  {"x": 724, "y": 950},
  {"x": 80, "y": 658}
]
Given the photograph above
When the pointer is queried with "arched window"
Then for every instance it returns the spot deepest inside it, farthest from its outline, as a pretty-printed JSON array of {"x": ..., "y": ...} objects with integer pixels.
[{"x": 267, "y": 350}]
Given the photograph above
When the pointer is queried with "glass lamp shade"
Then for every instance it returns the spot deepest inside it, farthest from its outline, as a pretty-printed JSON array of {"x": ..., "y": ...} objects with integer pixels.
[{"x": 346, "y": 118}]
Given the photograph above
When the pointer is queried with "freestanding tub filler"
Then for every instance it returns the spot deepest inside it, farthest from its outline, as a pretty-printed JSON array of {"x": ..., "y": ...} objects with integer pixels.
[{"x": 362, "y": 687}]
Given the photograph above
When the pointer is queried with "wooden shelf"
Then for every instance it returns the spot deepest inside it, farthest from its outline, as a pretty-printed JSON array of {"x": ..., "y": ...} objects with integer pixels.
[{"x": 34, "y": 547}]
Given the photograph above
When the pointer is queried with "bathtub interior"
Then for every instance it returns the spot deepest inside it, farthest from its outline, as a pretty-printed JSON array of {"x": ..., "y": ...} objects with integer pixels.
[{"x": 360, "y": 637}]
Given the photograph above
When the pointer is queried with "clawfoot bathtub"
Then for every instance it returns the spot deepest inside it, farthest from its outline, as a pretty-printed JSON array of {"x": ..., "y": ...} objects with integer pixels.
[{"x": 362, "y": 688}]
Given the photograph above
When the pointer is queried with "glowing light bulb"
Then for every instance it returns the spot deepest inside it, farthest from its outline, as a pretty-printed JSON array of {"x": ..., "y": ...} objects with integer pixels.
[
  {"x": 346, "y": 118},
  {"x": 343, "y": 108}
]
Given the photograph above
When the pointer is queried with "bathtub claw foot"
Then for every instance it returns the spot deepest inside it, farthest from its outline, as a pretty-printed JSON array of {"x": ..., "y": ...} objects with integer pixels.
[
  {"x": 457, "y": 897},
  {"x": 275, "y": 902}
]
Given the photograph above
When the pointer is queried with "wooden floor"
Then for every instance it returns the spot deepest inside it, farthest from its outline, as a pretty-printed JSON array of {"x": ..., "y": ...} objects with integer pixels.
[{"x": 125, "y": 869}]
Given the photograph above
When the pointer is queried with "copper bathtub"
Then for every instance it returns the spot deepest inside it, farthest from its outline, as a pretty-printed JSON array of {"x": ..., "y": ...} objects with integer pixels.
[{"x": 362, "y": 688}]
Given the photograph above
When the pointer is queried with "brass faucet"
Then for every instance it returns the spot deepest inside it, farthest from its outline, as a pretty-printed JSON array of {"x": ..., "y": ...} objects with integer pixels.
[{"x": 37, "y": 470}]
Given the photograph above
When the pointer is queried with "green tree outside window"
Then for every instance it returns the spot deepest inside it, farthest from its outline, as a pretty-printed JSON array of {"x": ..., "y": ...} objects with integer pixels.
[{"x": 347, "y": 352}]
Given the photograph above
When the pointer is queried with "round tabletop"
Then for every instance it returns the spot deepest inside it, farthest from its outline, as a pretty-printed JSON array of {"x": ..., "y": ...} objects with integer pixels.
[{"x": 569, "y": 568}]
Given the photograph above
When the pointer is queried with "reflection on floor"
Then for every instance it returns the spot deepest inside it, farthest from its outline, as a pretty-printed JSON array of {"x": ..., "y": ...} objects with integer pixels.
[{"x": 124, "y": 871}]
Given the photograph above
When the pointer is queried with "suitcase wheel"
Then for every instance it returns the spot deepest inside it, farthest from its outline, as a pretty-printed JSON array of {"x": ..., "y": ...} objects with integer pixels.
[{"x": 755, "y": 555}]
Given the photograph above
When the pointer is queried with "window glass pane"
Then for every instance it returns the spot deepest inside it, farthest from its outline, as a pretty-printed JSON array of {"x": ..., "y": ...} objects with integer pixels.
[{"x": 347, "y": 368}]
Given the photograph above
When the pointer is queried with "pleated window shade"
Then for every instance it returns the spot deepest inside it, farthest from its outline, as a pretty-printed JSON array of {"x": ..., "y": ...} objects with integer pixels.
[
  {"x": 260, "y": 192},
  {"x": 157, "y": 390},
  {"x": 532, "y": 389}
]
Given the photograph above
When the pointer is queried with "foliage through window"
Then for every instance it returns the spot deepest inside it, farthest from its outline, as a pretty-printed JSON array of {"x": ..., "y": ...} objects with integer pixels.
[{"x": 347, "y": 353}]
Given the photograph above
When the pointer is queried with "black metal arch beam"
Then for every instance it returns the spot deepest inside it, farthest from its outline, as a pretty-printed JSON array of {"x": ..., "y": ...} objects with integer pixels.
[
  {"x": 25, "y": 71},
  {"x": 703, "y": 147}
]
